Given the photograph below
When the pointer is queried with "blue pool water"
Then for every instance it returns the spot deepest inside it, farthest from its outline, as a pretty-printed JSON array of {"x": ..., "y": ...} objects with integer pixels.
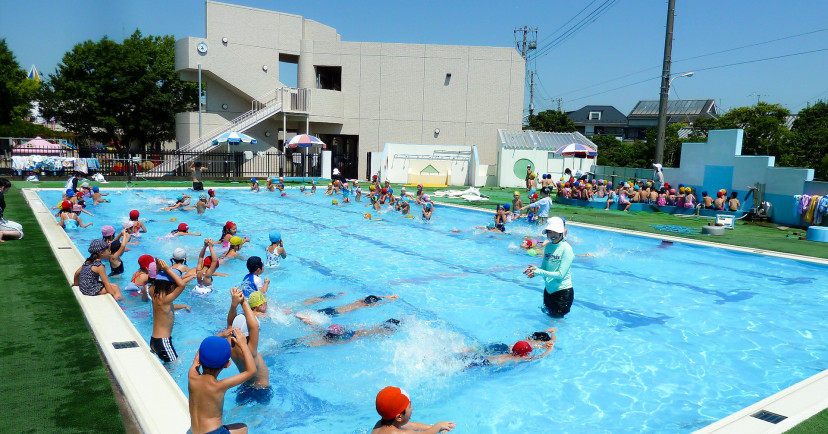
[{"x": 660, "y": 338}]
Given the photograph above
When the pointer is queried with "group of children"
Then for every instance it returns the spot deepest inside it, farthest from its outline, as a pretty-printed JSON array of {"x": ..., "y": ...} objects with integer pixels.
[{"x": 161, "y": 283}]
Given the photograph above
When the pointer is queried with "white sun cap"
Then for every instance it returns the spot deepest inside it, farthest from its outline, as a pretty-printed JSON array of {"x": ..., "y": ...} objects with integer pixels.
[{"x": 554, "y": 224}]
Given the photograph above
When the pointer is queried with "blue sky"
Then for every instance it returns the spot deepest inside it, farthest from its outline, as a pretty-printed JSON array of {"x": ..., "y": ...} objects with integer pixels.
[{"x": 600, "y": 64}]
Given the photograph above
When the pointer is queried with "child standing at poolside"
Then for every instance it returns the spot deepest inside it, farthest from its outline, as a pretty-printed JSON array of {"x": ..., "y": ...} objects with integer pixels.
[
  {"x": 207, "y": 391},
  {"x": 275, "y": 251},
  {"x": 165, "y": 286}
]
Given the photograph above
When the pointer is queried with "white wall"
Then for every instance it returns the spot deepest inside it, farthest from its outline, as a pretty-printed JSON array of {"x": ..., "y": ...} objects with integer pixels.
[{"x": 395, "y": 167}]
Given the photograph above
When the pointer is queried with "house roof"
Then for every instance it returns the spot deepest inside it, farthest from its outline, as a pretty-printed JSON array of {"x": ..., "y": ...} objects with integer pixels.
[
  {"x": 540, "y": 140},
  {"x": 609, "y": 115},
  {"x": 678, "y": 110}
]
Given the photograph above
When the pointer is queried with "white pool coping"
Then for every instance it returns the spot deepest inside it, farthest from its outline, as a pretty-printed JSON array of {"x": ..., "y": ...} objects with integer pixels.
[
  {"x": 156, "y": 401},
  {"x": 160, "y": 406},
  {"x": 797, "y": 403}
]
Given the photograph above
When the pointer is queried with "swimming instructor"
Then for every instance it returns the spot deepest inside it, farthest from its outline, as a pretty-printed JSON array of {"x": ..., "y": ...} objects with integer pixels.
[{"x": 555, "y": 269}]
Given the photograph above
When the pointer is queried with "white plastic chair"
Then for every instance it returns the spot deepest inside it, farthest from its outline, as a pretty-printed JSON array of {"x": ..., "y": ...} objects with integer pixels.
[{"x": 725, "y": 220}]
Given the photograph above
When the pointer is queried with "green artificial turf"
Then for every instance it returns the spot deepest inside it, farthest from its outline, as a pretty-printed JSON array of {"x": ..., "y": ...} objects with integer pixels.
[
  {"x": 817, "y": 424},
  {"x": 52, "y": 378}
]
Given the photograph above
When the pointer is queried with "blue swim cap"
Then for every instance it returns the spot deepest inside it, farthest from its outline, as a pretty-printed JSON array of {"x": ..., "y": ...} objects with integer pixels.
[
  {"x": 507, "y": 207},
  {"x": 391, "y": 190},
  {"x": 180, "y": 197},
  {"x": 252, "y": 179},
  {"x": 275, "y": 236},
  {"x": 214, "y": 352},
  {"x": 490, "y": 225},
  {"x": 96, "y": 189},
  {"x": 70, "y": 193}
]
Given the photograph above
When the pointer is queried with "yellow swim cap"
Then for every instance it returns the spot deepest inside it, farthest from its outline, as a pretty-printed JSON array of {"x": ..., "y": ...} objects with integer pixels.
[
  {"x": 255, "y": 299},
  {"x": 173, "y": 219},
  {"x": 532, "y": 176},
  {"x": 367, "y": 215},
  {"x": 517, "y": 193},
  {"x": 236, "y": 241},
  {"x": 409, "y": 216},
  {"x": 334, "y": 202}
]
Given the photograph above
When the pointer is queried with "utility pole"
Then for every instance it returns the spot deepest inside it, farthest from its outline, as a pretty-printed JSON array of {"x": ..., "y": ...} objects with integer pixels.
[
  {"x": 757, "y": 95},
  {"x": 526, "y": 40},
  {"x": 665, "y": 82}
]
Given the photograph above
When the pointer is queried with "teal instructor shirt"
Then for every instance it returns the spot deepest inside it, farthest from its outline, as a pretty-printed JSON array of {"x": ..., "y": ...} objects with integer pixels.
[{"x": 557, "y": 260}]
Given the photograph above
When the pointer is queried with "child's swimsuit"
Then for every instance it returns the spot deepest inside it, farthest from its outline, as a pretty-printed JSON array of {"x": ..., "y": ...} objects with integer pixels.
[
  {"x": 89, "y": 281},
  {"x": 132, "y": 286},
  {"x": 163, "y": 348},
  {"x": 249, "y": 393},
  {"x": 117, "y": 270},
  {"x": 273, "y": 259}
]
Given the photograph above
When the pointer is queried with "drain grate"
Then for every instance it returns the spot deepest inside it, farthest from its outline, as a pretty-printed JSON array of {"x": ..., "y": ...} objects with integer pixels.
[
  {"x": 125, "y": 344},
  {"x": 64, "y": 248},
  {"x": 769, "y": 417}
]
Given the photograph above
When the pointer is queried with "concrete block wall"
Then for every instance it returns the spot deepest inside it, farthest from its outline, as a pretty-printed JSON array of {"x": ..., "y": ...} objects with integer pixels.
[{"x": 718, "y": 164}]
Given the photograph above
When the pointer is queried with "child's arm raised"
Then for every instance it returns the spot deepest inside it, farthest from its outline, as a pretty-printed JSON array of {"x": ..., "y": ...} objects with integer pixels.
[
  {"x": 238, "y": 339},
  {"x": 236, "y": 298}
]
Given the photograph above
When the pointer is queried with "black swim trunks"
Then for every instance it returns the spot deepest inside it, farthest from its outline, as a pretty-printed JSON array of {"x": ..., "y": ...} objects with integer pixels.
[
  {"x": 330, "y": 311},
  {"x": 163, "y": 348},
  {"x": 559, "y": 302},
  {"x": 198, "y": 186}
]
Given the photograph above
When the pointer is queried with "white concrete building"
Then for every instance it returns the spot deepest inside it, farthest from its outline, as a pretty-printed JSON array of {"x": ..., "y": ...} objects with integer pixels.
[{"x": 356, "y": 96}]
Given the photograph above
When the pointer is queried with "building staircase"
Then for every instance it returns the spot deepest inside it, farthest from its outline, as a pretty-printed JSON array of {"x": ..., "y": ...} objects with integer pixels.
[{"x": 283, "y": 99}]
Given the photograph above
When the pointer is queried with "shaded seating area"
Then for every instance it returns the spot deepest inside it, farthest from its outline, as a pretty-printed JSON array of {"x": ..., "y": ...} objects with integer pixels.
[{"x": 601, "y": 203}]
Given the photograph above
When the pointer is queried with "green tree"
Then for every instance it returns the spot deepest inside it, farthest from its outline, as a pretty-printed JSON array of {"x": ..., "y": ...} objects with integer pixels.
[
  {"x": 764, "y": 125},
  {"x": 672, "y": 145},
  {"x": 808, "y": 145},
  {"x": 613, "y": 152},
  {"x": 16, "y": 90},
  {"x": 550, "y": 120},
  {"x": 110, "y": 92}
]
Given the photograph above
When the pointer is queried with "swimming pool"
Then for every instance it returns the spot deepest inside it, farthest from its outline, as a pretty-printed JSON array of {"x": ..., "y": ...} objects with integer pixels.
[{"x": 660, "y": 338}]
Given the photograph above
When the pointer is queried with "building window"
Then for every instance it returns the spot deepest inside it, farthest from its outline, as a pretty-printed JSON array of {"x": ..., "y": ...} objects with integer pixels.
[
  {"x": 595, "y": 116},
  {"x": 329, "y": 77}
]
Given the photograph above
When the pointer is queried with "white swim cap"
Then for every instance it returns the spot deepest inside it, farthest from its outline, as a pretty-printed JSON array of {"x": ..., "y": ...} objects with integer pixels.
[
  {"x": 241, "y": 322},
  {"x": 179, "y": 254}
]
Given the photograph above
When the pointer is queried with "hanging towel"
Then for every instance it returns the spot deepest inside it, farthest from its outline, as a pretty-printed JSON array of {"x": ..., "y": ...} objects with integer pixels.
[
  {"x": 803, "y": 204},
  {"x": 797, "y": 198},
  {"x": 821, "y": 210},
  {"x": 809, "y": 216}
]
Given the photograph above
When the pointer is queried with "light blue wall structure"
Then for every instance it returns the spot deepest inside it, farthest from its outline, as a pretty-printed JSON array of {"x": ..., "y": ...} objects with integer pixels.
[{"x": 718, "y": 164}]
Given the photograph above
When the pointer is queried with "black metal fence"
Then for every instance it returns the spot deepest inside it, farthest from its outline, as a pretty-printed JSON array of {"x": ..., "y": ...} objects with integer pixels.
[{"x": 135, "y": 165}]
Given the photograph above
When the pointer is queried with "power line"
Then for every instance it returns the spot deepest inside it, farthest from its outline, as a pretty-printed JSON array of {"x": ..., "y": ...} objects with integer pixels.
[
  {"x": 572, "y": 31},
  {"x": 706, "y": 69},
  {"x": 696, "y": 57},
  {"x": 569, "y": 21}
]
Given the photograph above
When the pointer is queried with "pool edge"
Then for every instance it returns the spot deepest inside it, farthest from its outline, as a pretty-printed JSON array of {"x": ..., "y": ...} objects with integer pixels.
[{"x": 154, "y": 399}]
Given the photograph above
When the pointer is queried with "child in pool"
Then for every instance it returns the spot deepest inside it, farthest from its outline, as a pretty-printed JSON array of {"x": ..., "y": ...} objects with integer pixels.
[
  {"x": 313, "y": 186},
  {"x": 257, "y": 389},
  {"x": 338, "y": 334},
  {"x": 181, "y": 201},
  {"x": 233, "y": 251},
  {"x": 206, "y": 269},
  {"x": 70, "y": 219},
  {"x": 281, "y": 185},
  {"x": 91, "y": 278},
  {"x": 275, "y": 251},
  {"x": 419, "y": 195},
  {"x": 165, "y": 286},
  {"x": 517, "y": 204},
  {"x": 207, "y": 391},
  {"x": 229, "y": 231},
  {"x": 270, "y": 186},
  {"x": 529, "y": 243},
  {"x": 140, "y": 278},
  {"x": 254, "y": 185},
  {"x": 357, "y": 191},
  {"x": 428, "y": 207},
  {"x": 116, "y": 249},
  {"x": 179, "y": 263},
  {"x": 346, "y": 193},
  {"x": 213, "y": 201},
  {"x": 137, "y": 225},
  {"x": 183, "y": 229},
  {"x": 200, "y": 206},
  {"x": 98, "y": 196},
  {"x": 329, "y": 191}
]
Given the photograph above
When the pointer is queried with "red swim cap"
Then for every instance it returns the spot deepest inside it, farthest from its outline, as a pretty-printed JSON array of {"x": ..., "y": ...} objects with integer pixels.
[
  {"x": 384, "y": 190},
  {"x": 145, "y": 260},
  {"x": 521, "y": 349},
  {"x": 229, "y": 225},
  {"x": 211, "y": 192},
  {"x": 134, "y": 214},
  {"x": 375, "y": 177},
  {"x": 391, "y": 401},
  {"x": 183, "y": 227},
  {"x": 209, "y": 260},
  {"x": 719, "y": 194},
  {"x": 66, "y": 205}
]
